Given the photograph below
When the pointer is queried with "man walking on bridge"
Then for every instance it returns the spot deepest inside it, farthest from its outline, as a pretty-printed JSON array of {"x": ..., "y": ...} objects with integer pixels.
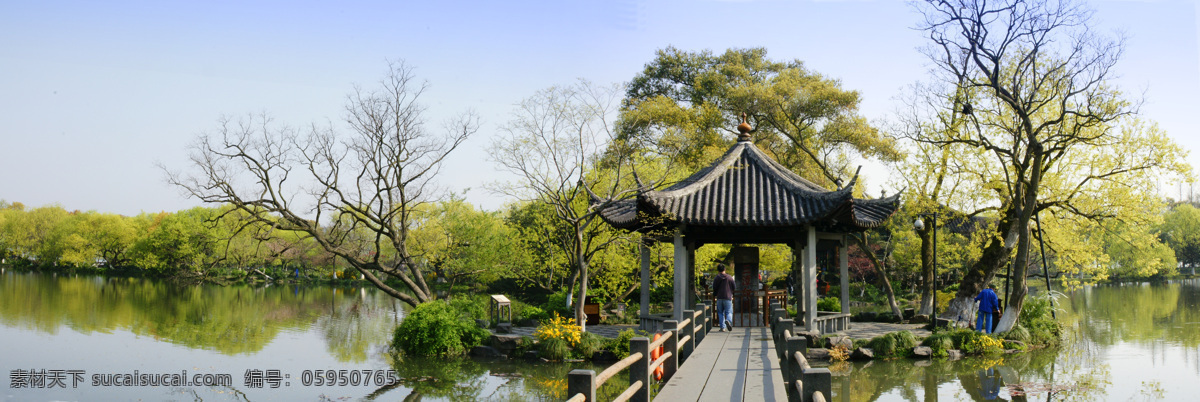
[{"x": 723, "y": 289}]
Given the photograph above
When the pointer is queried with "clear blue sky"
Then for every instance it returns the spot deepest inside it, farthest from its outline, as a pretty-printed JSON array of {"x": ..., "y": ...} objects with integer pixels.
[{"x": 92, "y": 94}]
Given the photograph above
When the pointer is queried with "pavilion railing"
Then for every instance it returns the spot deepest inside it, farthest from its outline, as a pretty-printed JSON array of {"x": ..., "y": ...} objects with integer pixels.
[
  {"x": 678, "y": 343},
  {"x": 804, "y": 383}
]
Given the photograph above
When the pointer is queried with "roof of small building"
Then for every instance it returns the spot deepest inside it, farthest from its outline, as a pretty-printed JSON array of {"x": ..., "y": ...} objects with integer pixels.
[{"x": 747, "y": 188}]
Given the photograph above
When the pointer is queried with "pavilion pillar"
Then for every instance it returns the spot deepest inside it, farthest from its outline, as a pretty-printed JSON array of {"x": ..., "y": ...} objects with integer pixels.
[
  {"x": 844, "y": 270},
  {"x": 810, "y": 279},
  {"x": 644, "y": 309},
  {"x": 681, "y": 275},
  {"x": 691, "y": 276}
]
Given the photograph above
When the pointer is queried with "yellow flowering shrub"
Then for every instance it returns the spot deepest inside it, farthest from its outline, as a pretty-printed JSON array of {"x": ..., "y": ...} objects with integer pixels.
[{"x": 559, "y": 328}]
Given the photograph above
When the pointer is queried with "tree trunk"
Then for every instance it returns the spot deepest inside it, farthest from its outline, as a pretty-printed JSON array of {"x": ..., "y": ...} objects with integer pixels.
[
  {"x": 927, "y": 269},
  {"x": 994, "y": 257},
  {"x": 883, "y": 276}
]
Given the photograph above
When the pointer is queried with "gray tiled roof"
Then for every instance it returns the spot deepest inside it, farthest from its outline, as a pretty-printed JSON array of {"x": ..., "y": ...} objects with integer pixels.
[{"x": 745, "y": 187}]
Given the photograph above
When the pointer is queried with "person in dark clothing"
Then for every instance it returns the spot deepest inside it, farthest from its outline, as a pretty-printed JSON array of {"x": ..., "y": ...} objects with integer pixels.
[
  {"x": 723, "y": 289},
  {"x": 989, "y": 304}
]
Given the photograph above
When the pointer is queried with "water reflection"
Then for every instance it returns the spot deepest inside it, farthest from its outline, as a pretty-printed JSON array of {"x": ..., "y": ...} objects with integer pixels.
[
  {"x": 1123, "y": 342},
  {"x": 234, "y": 320}
]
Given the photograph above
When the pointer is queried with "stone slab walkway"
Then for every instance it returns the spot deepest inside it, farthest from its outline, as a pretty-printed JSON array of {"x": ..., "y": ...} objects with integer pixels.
[{"x": 868, "y": 330}]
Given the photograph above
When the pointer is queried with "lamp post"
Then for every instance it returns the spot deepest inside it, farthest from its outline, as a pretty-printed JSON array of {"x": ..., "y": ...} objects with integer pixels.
[{"x": 919, "y": 224}]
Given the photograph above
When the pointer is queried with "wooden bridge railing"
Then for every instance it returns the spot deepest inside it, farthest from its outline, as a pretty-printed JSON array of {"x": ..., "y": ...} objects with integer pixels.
[
  {"x": 804, "y": 383},
  {"x": 677, "y": 345}
]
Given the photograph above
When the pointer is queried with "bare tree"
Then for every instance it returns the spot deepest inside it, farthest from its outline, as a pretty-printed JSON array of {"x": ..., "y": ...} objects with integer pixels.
[
  {"x": 553, "y": 143},
  {"x": 1040, "y": 74},
  {"x": 354, "y": 194}
]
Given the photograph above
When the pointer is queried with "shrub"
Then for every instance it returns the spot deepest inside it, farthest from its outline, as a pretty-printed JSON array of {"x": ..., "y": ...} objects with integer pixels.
[
  {"x": 437, "y": 329},
  {"x": 474, "y": 307},
  {"x": 557, "y": 303},
  {"x": 883, "y": 345},
  {"x": 972, "y": 342},
  {"x": 1018, "y": 333},
  {"x": 1038, "y": 320},
  {"x": 554, "y": 349},
  {"x": 561, "y": 328},
  {"x": 829, "y": 304},
  {"x": 940, "y": 343},
  {"x": 534, "y": 313},
  {"x": 905, "y": 340},
  {"x": 620, "y": 345},
  {"x": 588, "y": 345},
  {"x": 839, "y": 353}
]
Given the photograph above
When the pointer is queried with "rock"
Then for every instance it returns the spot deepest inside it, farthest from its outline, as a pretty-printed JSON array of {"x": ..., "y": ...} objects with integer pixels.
[
  {"x": 919, "y": 319},
  {"x": 923, "y": 352},
  {"x": 485, "y": 351},
  {"x": 839, "y": 340},
  {"x": 909, "y": 313},
  {"x": 945, "y": 323},
  {"x": 506, "y": 344},
  {"x": 504, "y": 328},
  {"x": 818, "y": 354},
  {"x": 483, "y": 323},
  {"x": 604, "y": 356},
  {"x": 531, "y": 355},
  {"x": 955, "y": 354},
  {"x": 814, "y": 337},
  {"x": 528, "y": 322},
  {"x": 862, "y": 354}
]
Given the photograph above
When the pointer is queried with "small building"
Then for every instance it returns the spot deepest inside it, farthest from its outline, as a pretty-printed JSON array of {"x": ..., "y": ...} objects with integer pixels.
[{"x": 746, "y": 197}]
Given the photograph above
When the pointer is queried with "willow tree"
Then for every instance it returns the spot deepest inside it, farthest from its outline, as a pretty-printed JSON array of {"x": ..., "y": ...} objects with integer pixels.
[
  {"x": 1042, "y": 108},
  {"x": 354, "y": 193}
]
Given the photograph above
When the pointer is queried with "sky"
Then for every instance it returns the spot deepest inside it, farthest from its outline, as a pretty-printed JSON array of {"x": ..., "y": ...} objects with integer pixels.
[{"x": 95, "y": 95}]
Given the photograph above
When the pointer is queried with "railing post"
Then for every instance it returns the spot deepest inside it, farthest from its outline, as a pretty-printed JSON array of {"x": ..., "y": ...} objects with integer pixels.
[
  {"x": 775, "y": 317},
  {"x": 817, "y": 379},
  {"x": 795, "y": 344},
  {"x": 785, "y": 326},
  {"x": 689, "y": 330},
  {"x": 640, "y": 370},
  {"x": 671, "y": 345},
  {"x": 581, "y": 381}
]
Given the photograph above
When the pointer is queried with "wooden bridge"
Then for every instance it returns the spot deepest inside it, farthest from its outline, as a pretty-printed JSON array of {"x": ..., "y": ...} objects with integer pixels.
[{"x": 745, "y": 364}]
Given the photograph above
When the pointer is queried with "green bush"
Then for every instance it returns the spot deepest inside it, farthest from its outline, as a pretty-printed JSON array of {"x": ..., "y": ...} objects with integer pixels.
[
  {"x": 474, "y": 307},
  {"x": 898, "y": 344},
  {"x": 534, "y": 313},
  {"x": 437, "y": 329},
  {"x": 940, "y": 343},
  {"x": 554, "y": 349},
  {"x": 829, "y": 304},
  {"x": 557, "y": 303},
  {"x": 1018, "y": 333},
  {"x": 620, "y": 345},
  {"x": 1038, "y": 320},
  {"x": 883, "y": 345},
  {"x": 976, "y": 343},
  {"x": 589, "y": 344}
]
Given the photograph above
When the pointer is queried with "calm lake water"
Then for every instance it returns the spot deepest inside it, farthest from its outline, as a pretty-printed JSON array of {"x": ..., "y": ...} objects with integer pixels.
[
  {"x": 56, "y": 329},
  {"x": 1127, "y": 343}
]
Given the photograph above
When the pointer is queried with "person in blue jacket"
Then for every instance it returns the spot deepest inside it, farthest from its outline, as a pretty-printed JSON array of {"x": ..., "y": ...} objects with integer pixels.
[{"x": 989, "y": 304}]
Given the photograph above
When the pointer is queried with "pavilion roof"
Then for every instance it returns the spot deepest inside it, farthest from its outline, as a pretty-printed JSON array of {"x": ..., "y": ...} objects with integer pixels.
[{"x": 747, "y": 188}]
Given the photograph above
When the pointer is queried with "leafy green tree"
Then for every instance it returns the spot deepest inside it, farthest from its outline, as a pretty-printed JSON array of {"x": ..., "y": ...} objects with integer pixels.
[
  {"x": 460, "y": 242},
  {"x": 1181, "y": 230},
  {"x": 686, "y": 105},
  {"x": 1059, "y": 137}
]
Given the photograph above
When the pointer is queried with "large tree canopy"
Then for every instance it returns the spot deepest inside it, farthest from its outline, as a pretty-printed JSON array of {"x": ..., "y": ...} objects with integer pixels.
[{"x": 687, "y": 104}]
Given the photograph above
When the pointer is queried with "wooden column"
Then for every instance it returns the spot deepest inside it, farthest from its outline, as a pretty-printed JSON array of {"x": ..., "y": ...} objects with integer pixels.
[
  {"x": 680, "y": 300},
  {"x": 844, "y": 269},
  {"x": 644, "y": 310},
  {"x": 810, "y": 279}
]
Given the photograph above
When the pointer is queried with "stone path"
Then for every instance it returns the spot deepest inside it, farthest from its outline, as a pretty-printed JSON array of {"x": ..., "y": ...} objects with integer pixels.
[{"x": 868, "y": 330}]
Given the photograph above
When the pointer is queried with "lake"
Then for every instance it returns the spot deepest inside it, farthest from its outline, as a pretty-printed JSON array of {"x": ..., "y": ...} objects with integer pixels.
[{"x": 68, "y": 337}]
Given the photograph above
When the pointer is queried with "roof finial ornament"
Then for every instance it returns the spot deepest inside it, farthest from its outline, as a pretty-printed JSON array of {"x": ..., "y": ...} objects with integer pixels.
[{"x": 744, "y": 129}]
